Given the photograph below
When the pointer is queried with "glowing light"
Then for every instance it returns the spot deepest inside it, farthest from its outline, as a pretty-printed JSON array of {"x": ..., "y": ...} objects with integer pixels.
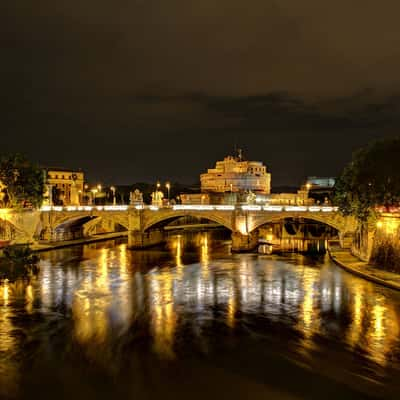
[
  {"x": 154, "y": 208},
  {"x": 225, "y": 208},
  {"x": 273, "y": 208},
  {"x": 251, "y": 208},
  {"x": 115, "y": 208},
  {"x": 204, "y": 207},
  {"x": 296, "y": 208}
]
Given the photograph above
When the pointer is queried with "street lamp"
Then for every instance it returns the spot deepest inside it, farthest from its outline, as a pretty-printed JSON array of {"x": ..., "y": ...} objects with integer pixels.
[
  {"x": 112, "y": 188},
  {"x": 94, "y": 192},
  {"x": 168, "y": 186}
]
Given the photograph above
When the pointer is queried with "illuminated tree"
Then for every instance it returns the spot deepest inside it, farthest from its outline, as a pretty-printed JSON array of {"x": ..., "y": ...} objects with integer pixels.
[
  {"x": 22, "y": 181},
  {"x": 372, "y": 179}
]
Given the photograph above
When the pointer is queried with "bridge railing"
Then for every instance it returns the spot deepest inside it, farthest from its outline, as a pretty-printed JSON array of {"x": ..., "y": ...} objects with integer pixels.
[
  {"x": 194, "y": 207},
  {"x": 85, "y": 208}
]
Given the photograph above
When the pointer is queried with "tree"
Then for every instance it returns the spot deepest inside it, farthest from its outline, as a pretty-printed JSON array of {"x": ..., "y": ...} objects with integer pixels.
[
  {"x": 372, "y": 179},
  {"x": 23, "y": 182}
]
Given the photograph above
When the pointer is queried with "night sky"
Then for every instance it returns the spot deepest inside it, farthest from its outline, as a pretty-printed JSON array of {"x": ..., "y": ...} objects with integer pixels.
[{"x": 142, "y": 90}]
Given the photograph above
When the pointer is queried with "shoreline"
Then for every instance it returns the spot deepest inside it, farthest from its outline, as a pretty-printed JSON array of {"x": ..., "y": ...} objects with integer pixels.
[{"x": 344, "y": 259}]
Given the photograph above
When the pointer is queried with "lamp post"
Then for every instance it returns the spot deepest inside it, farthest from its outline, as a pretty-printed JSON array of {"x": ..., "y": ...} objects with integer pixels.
[
  {"x": 94, "y": 191},
  {"x": 168, "y": 186},
  {"x": 112, "y": 188},
  {"x": 156, "y": 194}
]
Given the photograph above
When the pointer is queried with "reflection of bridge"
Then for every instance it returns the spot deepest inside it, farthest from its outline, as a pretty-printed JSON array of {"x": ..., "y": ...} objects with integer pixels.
[{"x": 145, "y": 224}]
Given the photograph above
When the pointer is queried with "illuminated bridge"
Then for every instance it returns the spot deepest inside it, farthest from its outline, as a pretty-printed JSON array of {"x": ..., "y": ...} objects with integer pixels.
[{"x": 145, "y": 224}]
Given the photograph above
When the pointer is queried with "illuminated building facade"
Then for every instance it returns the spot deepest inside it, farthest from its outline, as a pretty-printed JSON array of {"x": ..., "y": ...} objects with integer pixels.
[
  {"x": 63, "y": 186},
  {"x": 234, "y": 175}
]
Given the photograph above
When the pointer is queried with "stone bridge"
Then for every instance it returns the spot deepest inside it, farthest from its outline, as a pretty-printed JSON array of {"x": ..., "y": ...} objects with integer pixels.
[{"x": 145, "y": 224}]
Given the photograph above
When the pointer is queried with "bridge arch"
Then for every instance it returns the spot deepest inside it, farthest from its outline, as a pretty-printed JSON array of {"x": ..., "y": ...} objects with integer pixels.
[
  {"x": 8, "y": 230},
  {"x": 90, "y": 219},
  {"x": 162, "y": 219},
  {"x": 337, "y": 222},
  {"x": 78, "y": 225},
  {"x": 19, "y": 227}
]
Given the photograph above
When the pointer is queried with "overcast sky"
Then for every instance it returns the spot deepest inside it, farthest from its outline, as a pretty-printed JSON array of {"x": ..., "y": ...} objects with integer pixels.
[{"x": 133, "y": 90}]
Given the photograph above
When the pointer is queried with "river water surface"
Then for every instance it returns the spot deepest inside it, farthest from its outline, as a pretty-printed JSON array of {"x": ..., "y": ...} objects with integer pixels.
[{"x": 192, "y": 321}]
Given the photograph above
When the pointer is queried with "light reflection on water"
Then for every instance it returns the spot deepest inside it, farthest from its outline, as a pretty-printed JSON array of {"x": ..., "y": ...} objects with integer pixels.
[{"x": 194, "y": 295}]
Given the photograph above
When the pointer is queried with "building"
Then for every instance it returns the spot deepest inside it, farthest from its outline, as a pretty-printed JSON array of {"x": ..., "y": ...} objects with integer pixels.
[
  {"x": 234, "y": 175},
  {"x": 195, "y": 198},
  {"x": 320, "y": 188},
  {"x": 63, "y": 186},
  {"x": 300, "y": 198},
  {"x": 320, "y": 182}
]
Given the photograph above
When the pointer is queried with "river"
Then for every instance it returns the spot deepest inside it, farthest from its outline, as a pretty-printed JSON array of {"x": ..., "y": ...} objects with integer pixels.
[{"x": 190, "y": 320}]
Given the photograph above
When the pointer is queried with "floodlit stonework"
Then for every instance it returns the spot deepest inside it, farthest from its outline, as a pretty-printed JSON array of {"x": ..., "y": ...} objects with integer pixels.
[
  {"x": 68, "y": 183},
  {"x": 234, "y": 174}
]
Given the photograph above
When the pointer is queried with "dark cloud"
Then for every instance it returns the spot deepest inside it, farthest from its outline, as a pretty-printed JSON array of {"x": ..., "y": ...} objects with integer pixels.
[{"x": 146, "y": 90}]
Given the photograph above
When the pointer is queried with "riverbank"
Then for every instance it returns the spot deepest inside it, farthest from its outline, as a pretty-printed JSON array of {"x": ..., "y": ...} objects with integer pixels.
[
  {"x": 38, "y": 247},
  {"x": 354, "y": 265}
]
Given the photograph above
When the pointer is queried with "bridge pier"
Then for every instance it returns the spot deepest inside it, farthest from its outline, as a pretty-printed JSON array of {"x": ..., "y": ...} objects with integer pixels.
[
  {"x": 244, "y": 243},
  {"x": 142, "y": 240}
]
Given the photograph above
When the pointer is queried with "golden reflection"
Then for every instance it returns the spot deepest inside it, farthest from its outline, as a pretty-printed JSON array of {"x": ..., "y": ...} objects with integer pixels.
[
  {"x": 307, "y": 309},
  {"x": 358, "y": 307},
  {"x": 205, "y": 257},
  {"x": 8, "y": 343},
  {"x": 163, "y": 313},
  {"x": 91, "y": 303},
  {"x": 383, "y": 330},
  {"x": 123, "y": 296},
  {"x": 29, "y": 297},
  {"x": 231, "y": 311},
  {"x": 309, "y": 321},
  {"x": 204, "y": 248},
  {"x": 123, "y": 259},
  {"x": 5, "y": 290},
  {"x": 375, "y": 324},
  {"x": 377, "y": 314}
]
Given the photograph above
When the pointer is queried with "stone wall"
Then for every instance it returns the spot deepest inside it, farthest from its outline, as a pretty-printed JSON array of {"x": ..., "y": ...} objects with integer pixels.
[{"x": 385, "y": 251}]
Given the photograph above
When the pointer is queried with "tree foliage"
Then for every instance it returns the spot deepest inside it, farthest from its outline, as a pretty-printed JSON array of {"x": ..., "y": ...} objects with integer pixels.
[
  {"x": 372, "y": 179},
  {"x": 19, "y": 261},
  {"x": 23, "y": 182}
]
